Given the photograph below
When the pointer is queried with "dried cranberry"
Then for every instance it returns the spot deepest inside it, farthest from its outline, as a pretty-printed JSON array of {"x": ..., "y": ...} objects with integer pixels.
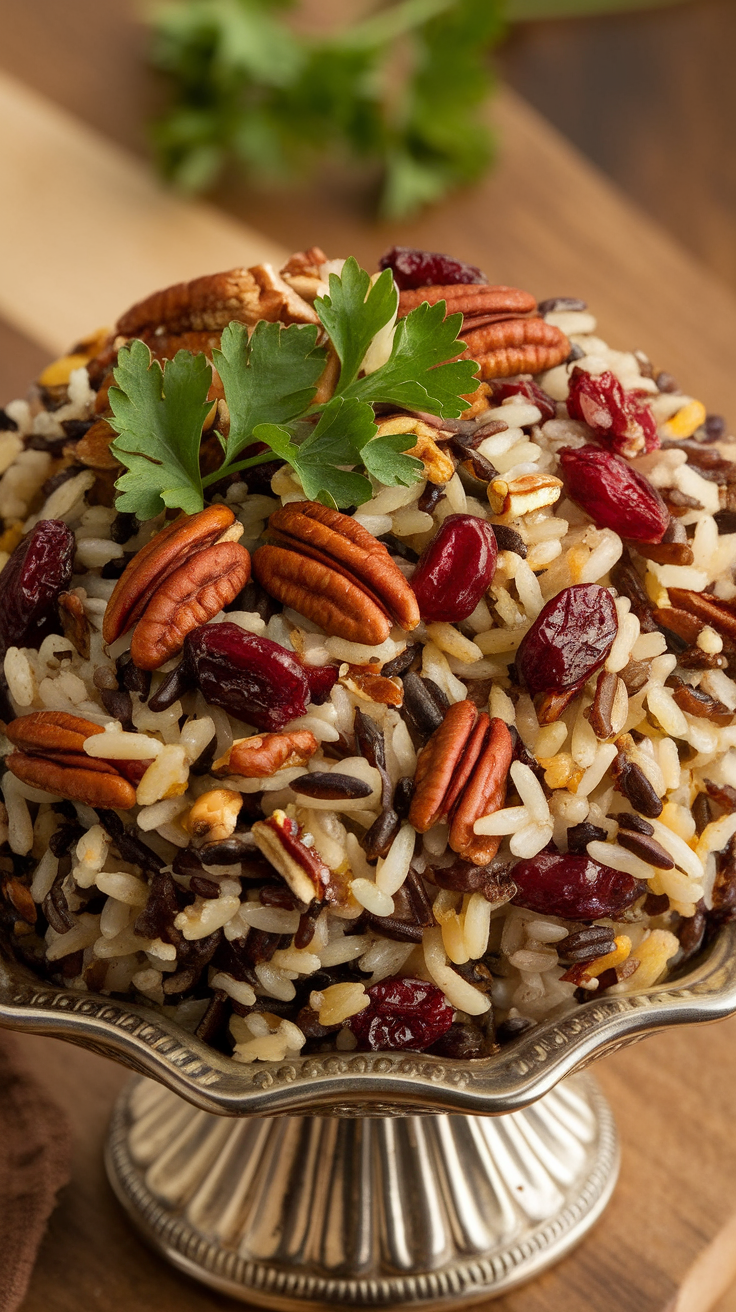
[
  {"x": 570, "y": 638},
  {"x": 530, "y": 391},
  {"x": 251, "y": 678},
  {"x": 455, "y": 569},
  {"x": 613, "y": 494},
  {"x": 403, "y": 1013},
  {"x": 412, "y": 268},
  {"x": 38, "y": 570},
  {"x": 321, "y": 680},
  {"x": 573, "y": 886},
  {"x": 620, "y": 420}
]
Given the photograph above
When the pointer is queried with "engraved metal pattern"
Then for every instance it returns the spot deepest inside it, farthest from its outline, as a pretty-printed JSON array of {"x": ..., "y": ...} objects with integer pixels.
[
  {"x": 303, "y": 1212},
  {"x": 359, "y": 1083}
]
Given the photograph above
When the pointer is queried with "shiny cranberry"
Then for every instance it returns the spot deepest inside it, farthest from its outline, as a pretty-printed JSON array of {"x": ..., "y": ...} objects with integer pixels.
[
  {"x": 568, "y": 641},
  {"x": 38, "y": 570},
  {"x": 613, "y": 494},
  {"x": 526, "y": 390},
  {"x": 403, "y": 1013},
  {"x": 455, "y": 569},
  {"x": 620, "y": 420},
  {"x": 321, "y": 680},
  {"x": 251, "y": 678},
  {"x": 573, "y": 886},
  {"x": 413, "y": 268}
]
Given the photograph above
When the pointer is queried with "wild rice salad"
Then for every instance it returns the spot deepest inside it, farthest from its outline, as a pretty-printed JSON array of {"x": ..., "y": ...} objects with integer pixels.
[{"x": 363, "y": 686}]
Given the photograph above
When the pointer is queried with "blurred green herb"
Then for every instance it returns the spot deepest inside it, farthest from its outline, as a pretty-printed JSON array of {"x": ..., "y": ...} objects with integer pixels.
[{"x": 402, "y": 90}]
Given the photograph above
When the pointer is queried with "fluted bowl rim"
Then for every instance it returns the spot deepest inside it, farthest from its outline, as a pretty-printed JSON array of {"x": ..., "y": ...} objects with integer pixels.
[{"x": 365, "y": 1083}]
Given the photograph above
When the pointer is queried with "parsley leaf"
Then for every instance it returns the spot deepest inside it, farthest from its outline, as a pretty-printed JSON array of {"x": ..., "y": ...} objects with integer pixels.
[
  {"x": 158, "y": 415},
  {"x": 384, "y": 460},
  {"x": 343, "y": 429},
  {"x": 353, "y": 313},
  {"x": 270, "y": 378},
  {"x": 420, "y": 373}
]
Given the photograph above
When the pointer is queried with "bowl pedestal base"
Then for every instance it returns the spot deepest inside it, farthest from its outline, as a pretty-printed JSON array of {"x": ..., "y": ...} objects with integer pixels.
[{"x": 302, "y": 1212}]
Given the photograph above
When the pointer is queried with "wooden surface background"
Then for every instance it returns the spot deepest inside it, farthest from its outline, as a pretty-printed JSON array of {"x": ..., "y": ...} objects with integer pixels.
[{"x": 545, "y": 220}]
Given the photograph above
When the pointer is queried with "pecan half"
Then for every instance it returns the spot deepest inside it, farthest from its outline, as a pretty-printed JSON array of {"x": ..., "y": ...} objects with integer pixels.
[
  {"x": 279, "y": 839},
  {"x": 266, "y": 753},
  {"x": 209, "y": 303},
  {"x": 470, "y": 299},
  {"x": 335, "y": 572},
  {"x": 50, "y": 755},
  {"x": 461, "y": 774},
  {"x": 516, "y": 346},
  {"x": 166, "y": 552},
  {"x": 189, "y": 597}
]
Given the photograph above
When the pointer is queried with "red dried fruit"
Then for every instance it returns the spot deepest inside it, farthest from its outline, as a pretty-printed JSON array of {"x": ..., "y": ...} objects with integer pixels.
[
  {"x": 413, "y": 268},
  {"x": 321, "y": 680},
  {"x": 251, "y": 678},
  {"x": 570, "y": 638},
  {"x": 613, "y": 494},
  {"x": 403, "y": 1013},
  {"x": 530, "y": 391},
  {"x": 39, "y": 570},
  {"x": 573, "y": 886},
  {"x": 620, "y": 420},
  {"x": 455, "y": 569}
]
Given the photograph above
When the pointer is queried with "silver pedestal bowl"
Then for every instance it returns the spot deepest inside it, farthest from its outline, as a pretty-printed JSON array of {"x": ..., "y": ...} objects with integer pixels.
[{"x": 365, "y": 1178}]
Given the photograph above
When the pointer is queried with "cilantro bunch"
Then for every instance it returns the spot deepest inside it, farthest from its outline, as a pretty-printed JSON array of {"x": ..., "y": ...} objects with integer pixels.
[
  {"x": 270, "y": 381},
  {"x": 400, "y": 90}
]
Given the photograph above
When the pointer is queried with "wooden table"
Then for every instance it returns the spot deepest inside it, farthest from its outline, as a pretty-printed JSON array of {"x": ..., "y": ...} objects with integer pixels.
[{"x": 544, "y": 220}]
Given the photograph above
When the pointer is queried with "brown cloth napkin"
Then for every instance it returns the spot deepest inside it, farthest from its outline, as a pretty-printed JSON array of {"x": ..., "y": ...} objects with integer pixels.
[{"x": 35, "y": 1156}]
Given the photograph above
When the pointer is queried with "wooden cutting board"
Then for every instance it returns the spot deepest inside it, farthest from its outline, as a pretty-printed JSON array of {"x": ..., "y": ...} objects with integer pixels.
[{"x": 546, "y": 220}]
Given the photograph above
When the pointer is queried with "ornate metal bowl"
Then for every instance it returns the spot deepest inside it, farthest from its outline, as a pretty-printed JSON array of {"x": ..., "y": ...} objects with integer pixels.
[{"x": 385, "y": 1182}]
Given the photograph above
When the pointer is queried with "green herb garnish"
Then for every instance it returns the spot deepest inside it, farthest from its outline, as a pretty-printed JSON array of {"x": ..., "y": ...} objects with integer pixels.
[{"x": 269, "y": 382}]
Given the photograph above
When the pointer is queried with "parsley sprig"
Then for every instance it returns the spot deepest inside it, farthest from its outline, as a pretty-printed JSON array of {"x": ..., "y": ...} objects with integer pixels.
[{"x": 270, "y": 383}]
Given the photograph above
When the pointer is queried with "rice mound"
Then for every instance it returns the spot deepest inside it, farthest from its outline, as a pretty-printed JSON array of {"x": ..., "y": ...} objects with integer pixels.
[{"x": 232, "y": 971}]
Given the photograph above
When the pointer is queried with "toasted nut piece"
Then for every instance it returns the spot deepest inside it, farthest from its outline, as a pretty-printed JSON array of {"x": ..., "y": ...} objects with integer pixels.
[
  {"x": 369, "y": 683},
  {"x": 306, "y": 262},
  {"x": 516, "y": 346},
  {"x": 302, "y": 867},
  {"x": 93, "y": 449},
  {"x": 167, "y": 551},
  {"x": 266, "y": 753},
  {"x": 189, "y": 597},
  {"x": 334, "y": 572},
  {"x": 74, "y": 622},
  {"x": 521, "y": 495},
  {"x": 470, "y": 298},
  {"x": 214, "y": 815},
  {"x": 438, "y": 466},
  {"x": 94, "y": 787},
  {"x": 209, "y": 303}
]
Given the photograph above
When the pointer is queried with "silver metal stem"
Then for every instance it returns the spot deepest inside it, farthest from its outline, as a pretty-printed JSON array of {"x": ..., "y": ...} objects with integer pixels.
[{"x": 301, "y": 1212}]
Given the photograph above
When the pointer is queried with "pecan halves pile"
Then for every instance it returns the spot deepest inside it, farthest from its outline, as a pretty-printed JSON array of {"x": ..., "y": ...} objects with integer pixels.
[
  {"x": 515, "y": 346},
  {"x": 323, "y": 564},
  {"x": 177, "y": 582},
  {"x": 461, "y": 775},
  {"x": 50, "y": 755},
  {"x": 502, "y": 329},
  {"x": 209, "y": 303}
]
